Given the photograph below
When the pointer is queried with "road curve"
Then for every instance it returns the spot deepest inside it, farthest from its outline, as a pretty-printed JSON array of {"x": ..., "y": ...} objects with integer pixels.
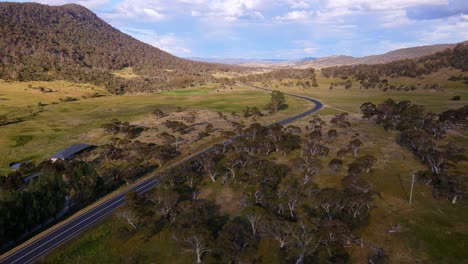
[
  {"x": 38, "y": 247},
  {"x": 318, "y": 105}
]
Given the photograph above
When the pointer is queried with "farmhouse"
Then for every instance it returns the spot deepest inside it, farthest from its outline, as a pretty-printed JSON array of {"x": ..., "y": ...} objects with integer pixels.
[{"x": 70, "y": 152}]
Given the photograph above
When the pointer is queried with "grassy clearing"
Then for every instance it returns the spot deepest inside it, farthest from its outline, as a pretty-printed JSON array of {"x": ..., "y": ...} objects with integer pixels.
[
  {"x": 231, "y": 75},
  {"x": 21, "y": 99},
  {"x": 91, "y": 249},
  {"x": 433, "y": 231},
  {"x": 185, "y": 92},
  {"x": 351, "y": 99},
  {"x": 112, "y": 242},
  {"x": 125, "y": 73},
  {"x": 62, "y": 124},
  {"x": 21, "y": 140}
]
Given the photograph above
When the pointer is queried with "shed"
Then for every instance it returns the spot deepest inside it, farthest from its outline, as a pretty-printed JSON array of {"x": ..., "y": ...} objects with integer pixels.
[{"x": 71, "y": 151}]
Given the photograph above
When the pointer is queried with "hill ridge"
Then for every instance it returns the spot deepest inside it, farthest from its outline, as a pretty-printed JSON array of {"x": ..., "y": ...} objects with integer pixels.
[
  {"x": 391, "y": 56},
  {"x": 70, "y": 42}
]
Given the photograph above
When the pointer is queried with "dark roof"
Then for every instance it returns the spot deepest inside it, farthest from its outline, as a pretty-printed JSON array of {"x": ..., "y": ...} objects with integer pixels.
[{"x": 70, "y": 151}]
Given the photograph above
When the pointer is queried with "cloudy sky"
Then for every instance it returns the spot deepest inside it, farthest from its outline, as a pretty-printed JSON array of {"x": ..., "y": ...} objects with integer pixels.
[{"x": 284, "y": 29}]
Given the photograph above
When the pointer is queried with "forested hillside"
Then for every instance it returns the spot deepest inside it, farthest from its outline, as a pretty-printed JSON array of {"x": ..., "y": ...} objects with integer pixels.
[
  {"x": 395, "y": 55},
  {"x": 451, "y": 58},
  {"x": 41, "y": 42}
]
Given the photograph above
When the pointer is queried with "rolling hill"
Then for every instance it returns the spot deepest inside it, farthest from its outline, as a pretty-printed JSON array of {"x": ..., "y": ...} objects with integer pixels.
[
  {"x": 396, "y": 55},
  {"x": 452, "y": 58},
  {"x": 237, "y": 61},
  {"x": 341, "y": 60}
]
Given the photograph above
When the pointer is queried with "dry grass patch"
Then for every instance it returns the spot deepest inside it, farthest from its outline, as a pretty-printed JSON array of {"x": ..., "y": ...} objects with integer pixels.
[{"x": 126, "y": 73}]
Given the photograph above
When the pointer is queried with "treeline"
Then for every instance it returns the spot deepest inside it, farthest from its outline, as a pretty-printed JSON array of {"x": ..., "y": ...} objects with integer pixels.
[
  {"x": 305, "y": 78},
  {"x": 422, "y": 133},
  {"x": 43, "y": 198},
  {"x": 69, "y": 42},
  {"x": 34, "y": 194},
  {"x": 278, "y": 202},
  {"x": 456, "y": 58}
]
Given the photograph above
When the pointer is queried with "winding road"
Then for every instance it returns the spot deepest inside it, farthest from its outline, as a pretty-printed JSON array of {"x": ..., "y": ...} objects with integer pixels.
[{"x": 43, "y": 243}]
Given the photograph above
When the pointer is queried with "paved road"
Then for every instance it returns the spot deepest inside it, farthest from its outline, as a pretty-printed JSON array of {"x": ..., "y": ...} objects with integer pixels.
[
  {"x": 318, "y": 105},
  {"x": 39, "y": 247}
]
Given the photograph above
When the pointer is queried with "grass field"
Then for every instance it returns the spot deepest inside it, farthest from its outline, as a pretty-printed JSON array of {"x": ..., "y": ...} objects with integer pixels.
[
  {"x": 432, "y": 230},
  {"x": 61, "y": 124},
  {"x": 350, "y": 100},
  {"x": 21, "y": 99}
]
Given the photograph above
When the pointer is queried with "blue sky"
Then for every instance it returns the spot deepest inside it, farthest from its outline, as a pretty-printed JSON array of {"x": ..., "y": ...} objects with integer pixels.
[{"x": 284, "y": 29}]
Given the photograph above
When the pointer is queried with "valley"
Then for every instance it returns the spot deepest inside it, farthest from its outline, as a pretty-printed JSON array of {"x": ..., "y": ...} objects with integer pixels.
[
  {"x": 391, "y": 176},
  {"x": 113, "y": 150},
  {"x": 59, "y": 124}
]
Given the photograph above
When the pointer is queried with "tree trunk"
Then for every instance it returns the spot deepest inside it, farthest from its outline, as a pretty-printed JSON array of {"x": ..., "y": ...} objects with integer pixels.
[{"x": 199, "y": 256}]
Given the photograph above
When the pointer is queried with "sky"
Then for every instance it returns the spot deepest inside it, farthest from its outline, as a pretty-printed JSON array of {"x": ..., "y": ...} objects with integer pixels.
[{"x": 283, "y": 29}]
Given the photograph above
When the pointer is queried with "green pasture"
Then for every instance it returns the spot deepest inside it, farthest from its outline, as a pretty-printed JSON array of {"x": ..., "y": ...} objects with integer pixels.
[
  {"x": 351, "y": 99},
  {"x": 60, "y": 124}
]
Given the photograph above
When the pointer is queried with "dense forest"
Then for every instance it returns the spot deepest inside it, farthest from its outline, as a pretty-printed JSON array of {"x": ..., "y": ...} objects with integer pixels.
[{"x": 69, "y": 42}]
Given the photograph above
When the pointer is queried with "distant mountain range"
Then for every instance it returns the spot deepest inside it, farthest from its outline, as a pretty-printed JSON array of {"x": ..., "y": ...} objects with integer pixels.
[
  {"x": 337, "y": 60},
  {"x": 396, "y": 55},
  {"x": 237, "y": 61}
]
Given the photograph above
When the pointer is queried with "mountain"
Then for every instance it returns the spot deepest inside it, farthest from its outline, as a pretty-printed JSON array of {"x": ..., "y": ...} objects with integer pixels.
[
  {"x": 396, "y": 55},
  {"x": 237, "y": 61},
  {"x": 70, "y": 42},
  {"x": 372, "y": 74},
  {"x": 328, "y": 61},
  {"x": 338, "y": 60},
  {"x": 251, "y": 62},
  {"x": 308, "y": 59}
]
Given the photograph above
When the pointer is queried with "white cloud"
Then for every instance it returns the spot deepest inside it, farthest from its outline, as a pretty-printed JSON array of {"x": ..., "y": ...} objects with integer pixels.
[
  {"x": 298, "y": 4},
  {"x": 155, "y": 15},
  {"x": 232, "y": 10},
  {"x": 258, "y": 15},
  {"x": 295, "y": 16},
  {"x": 394, "y": 18},
  {"x": 195, "y": 13},
  {"x": 157, "y": 10},
  {"x": 454, "y": 31},
  {"x": 381, "y": 4},
  {"x": 137, "y": 10},
  {"x": 310, "y": 50},
  {"x": 167, "y": 42}
]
